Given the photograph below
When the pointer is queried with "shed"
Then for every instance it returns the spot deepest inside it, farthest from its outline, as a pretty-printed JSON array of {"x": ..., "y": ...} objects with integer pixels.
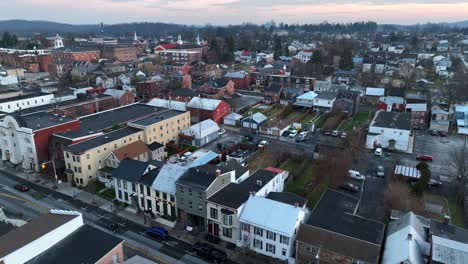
[
  {"x": 232, "y": 119},
  {"x": 254, "y": 121}
]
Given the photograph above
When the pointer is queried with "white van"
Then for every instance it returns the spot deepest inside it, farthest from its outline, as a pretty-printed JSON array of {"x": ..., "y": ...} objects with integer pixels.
[{"x": 356, "y": 175}]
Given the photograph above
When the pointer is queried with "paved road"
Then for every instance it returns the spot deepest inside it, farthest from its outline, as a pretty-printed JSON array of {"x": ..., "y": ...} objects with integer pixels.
[{"x": 40, "y": 199}]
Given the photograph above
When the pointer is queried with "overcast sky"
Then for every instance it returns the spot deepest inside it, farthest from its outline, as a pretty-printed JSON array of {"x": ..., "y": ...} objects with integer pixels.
[{"x": 225, "y": 12}]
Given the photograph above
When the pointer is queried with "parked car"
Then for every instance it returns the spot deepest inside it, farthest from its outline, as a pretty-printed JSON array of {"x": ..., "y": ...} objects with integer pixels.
[
  {"x": 424, "y": 158},
  {"x": 380, "y": 171},
  {"x": 262, "y": 143},
  {"x": 221, "y": 131},
  {"x": 344, "y": 135},
  {"x": 22, "y": 187},
  {"x": 208, "y": 251},
  {"x": 286, "y": 133},
  {"x": 356, "y": 175},
  {"x": 303, "y": 134},
  {"x": 327, "y": 133},
  {"x": 335, "y": 133},
  {"x": 349, "y": 187},
  {"x": 434, "y": 183},
  {"x": 293, "y": 134},
  {"x": 378, "y": 152},
  {"x": 434, "y": 133},
  {"x": 443, "y": 133},
  {"x": 300, "y": 139},
  {"x": 157, "y": 232}
]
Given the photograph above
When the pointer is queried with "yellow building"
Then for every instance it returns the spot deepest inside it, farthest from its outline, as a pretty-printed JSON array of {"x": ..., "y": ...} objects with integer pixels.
[{"x": 85, "y": 158}]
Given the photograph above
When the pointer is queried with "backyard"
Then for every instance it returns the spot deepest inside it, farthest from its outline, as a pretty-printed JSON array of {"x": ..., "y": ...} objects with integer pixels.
[{"x": 357, "y": 121}]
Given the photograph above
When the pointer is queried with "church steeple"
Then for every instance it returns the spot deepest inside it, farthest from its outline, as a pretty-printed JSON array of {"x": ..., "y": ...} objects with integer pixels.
[
  {"x": 135, "y": 38},
  {"x": 198, "y": 40},
  {"x": 179, "y": 40},
  {"x": 58, "y": 42}
]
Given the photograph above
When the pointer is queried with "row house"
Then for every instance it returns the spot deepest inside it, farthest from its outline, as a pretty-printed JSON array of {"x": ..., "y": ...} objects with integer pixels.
[
  {"x": 241, "y": 79},
  {"x": 225, "y": 206},
  {"x": 149, "y": 89},
  {"x": 198, "y": 183},
  {"x": 372, "y": 65},
  {"x": 201, "y": 71},
  {"x": 205, "y": 108},
  {"x": 269, "y": 227},
  {"x": 440, "y": 118},
  {"x": 335, "y": 233}
]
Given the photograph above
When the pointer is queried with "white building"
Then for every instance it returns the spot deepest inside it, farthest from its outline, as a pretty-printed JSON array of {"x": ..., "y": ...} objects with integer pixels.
[
  {"x": 202, "y": 133},
  {"x": 323, "y": 103},
  {"x": 232, "y": 119},
  {"x": 8, "y": 80},
  {"x": 269, "y": 227},
  {"x": 306, "y": 99},
  {"x": 224, "y": 206},
  {"x": 23, "y": 102},
  {"x": 304, "y": 56},
  {"x": 390, "y": 130}
]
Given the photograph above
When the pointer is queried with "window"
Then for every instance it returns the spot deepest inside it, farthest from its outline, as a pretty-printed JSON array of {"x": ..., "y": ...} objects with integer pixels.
[
  {"x": 270, "y": 248},
  {"x": 148, "y": 190},
  {"x": 74, "y": 159},
  {"x": 172, "y": 197},
  {"x": 142, "y": 202},
  {"x": 133, "y": 187},
  {"x": 78, "y": 158},
  {"x": 311, "y": 249},
  {"x": 125, "y": 196},
  {"x": 120, "y": 194},
  {"x": 125, "y": 185},
  {"x": 118, "y": 183},
  {"x": 258, "y": 231},
  {"x": 246, "y": 227},
  {"x": 87, "y": 156},
  {"x": 258, "y": 244},
  {"x": 164, "y": 196},
  {"x": 271, "y": 235},
  {"x": 214, "y": 213},
  {"x": 227, "y": 232},
  {"x": 79, "y": 169},
  {"x": 284, "y": 240},
  {"x": 200, "y": 196},
  {"x": 190, "y": 192},
  {"x": 89, "y": 166},
  {"x": 283, "y": 252},
  {"x": 141, "y": 189},
  {"x": 181, "y": 189},
  {"x": 157, "y": 193},
  {"x": 190, "y": 204},
  {"x": 227, "y": 220}
]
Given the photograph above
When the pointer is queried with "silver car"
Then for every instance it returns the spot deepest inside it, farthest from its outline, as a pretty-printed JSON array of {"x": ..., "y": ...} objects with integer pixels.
[{"x": 380, "y": 171}]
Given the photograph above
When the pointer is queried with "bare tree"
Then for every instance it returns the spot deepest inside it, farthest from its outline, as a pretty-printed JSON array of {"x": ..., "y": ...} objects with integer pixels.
[
  {"x": 457, "y": 166},
  {"x": 408, "y": 74},
  {"x": 399, "y": 196},
  {"x": 333, "y": 166}
]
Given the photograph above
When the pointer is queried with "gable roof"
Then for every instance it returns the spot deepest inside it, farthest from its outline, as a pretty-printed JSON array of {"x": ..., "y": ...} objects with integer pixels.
[
  {"x": 233, "y": 116},
  {"x": 235, "y": 194},
  {"x": 271, "y": 215},
  {"x": 204, "y": 103},
  {"x": 130, "y": 170},
  {"x": 201, "y": 177},
  {"x": 257, "y": 118},
  {"x": 131, "y": 150},
  {"x": 202, "y": 129},
  {"x": 167, "y": 177}
]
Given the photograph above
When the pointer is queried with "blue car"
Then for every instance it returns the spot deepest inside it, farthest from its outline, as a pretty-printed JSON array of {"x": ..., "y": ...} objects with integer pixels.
[{"x": 157, "y": 232}]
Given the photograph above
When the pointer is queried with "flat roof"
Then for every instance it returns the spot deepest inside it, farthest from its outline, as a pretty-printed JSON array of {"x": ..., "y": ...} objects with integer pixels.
[
  {"x": 97, "y": 122},
  {"x": 158, "y": 117},
  {"x": 397, "y": 120},
  {"x": 101, "y": 140},
  {"x": 41, "y": 120}
]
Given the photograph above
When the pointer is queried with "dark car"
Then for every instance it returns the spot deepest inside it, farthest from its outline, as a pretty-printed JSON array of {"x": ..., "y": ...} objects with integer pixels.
[
  {"x": 22, "y": 187},
  {"x": 443, "y": 133},
  {"x": 349, "y": 187},
  {"x": 286, "y": 133},
  {"x": 157, "y": 232},
  {"x": 208, "y": 251},
  {"x": 424, "y": 158},
  {"x": 434, "y": 133},
  {"x": 434, "y": 183}
]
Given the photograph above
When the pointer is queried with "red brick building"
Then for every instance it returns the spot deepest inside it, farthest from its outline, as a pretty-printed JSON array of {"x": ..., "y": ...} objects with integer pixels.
[
  {"x": 241, "y": 79},
  {"x": 164, "y": 46},
  {"x": 69, "y": 55},
  {"x": 86, "y": 106},
  {"x": 391, "y": 103},
  {"x": 150, "y": 89},
  {"x": 204, "y": 108},
  {"x": 26, "y": 61},
  {"x": 218, "y": 88},
  {"x": 121, "y": 53},
  {"x": 181, "y": 56},
  {"x": 44, "y": 61}
]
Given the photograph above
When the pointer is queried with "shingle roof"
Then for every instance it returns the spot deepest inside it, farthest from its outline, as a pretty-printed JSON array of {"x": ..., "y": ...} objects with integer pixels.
[
  {"x": 131, "y": 150},
  {"x": 235, "y": 194},
  {"x": 167, "y": 177},
  {"x": 130, "y": 170},
  {"x": 202, "y": 176}
]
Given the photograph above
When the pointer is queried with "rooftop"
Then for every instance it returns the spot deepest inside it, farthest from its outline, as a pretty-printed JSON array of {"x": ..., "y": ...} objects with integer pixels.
[
  {"x": 397, "y": 120},
  {"x": 31, "y": 231},
  {"x": 157, "y": 117},
  {"x": 287, "y": 197},
  {"x": 95, "y": 123},
  {"x": 41, "y": 120},
  {"x": 234, "y": 195},
  {"x": 101, "y": 140},
  {"x": 130, "y": 170},
  {"x": 327, "y": 95},
  {"x": 131, "y": 150},
  {"x": 93, "y": 244},
  {"x": 168, "y": 175}
]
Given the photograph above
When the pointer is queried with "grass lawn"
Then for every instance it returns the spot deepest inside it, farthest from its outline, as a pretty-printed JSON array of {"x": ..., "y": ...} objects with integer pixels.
[
  {"x": 456, "y": 214},
  {"x": 274, "y": 110},
  {"x": 294, "y": 114},
  {"x": 358, "y": 120},
  {"x": 308, "y": 118},
  {"x": 320, "y": 122},
  {"x": 108, "y": 194},
  {"x": 253, "y": 111}
]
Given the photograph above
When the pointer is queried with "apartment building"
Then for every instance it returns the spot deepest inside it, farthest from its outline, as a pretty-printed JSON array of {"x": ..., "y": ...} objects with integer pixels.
[{"x": 84, "y": 159}]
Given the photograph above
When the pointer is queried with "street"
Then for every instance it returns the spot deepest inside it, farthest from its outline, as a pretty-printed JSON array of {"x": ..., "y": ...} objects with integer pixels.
[{"x": 39, "y": 200}]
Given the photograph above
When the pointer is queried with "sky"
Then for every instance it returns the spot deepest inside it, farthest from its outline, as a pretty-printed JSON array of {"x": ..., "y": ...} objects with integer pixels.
[{"x": 224, "y": 12}]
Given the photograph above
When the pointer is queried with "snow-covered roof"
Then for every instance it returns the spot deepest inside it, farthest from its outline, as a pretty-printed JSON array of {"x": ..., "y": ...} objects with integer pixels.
[
  {"x": 257, "y": 118},
  {"x": 233, "y": 116},
  {"x": 372, "y": 91},
  {"x": 271, "y": 215},
  {"x": 171, "y": 104},
  {"x": 206, "y": 127},
  {"x": 307, "y": 96},
  {"x": 204, "y": 103},
  {"x": 168, "y": 175}
]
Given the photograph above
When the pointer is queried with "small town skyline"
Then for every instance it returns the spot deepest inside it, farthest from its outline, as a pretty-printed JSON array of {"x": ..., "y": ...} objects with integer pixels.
[{"x": 225, "y": 12}]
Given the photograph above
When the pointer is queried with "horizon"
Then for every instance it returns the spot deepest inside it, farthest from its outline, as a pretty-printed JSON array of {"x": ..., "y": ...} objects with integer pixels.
[{"x": 232, "y": 12}]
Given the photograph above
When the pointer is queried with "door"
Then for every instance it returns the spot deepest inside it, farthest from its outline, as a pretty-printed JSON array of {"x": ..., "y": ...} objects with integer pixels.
[{"x": 216, "y": 229}]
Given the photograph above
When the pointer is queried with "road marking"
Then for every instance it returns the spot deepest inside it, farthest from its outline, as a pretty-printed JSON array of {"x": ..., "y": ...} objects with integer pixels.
[{"x": 22, "y": 199}]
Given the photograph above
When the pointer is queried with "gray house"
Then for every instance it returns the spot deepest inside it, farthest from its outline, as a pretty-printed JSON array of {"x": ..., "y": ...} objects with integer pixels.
[
  {"x": 254, "y": 121},
  {"x": 198, "y": 183}
]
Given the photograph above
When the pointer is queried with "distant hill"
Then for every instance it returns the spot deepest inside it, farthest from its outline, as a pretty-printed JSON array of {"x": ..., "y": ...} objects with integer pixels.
[
  {"x": 28, "y": 28},
  {"x": 459, "y": 24}
]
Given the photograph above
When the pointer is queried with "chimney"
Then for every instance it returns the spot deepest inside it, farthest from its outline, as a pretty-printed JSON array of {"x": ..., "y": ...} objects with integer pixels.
[
  {"x": 410, "y": 236},
  {"x": 218, "y": 172}
]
